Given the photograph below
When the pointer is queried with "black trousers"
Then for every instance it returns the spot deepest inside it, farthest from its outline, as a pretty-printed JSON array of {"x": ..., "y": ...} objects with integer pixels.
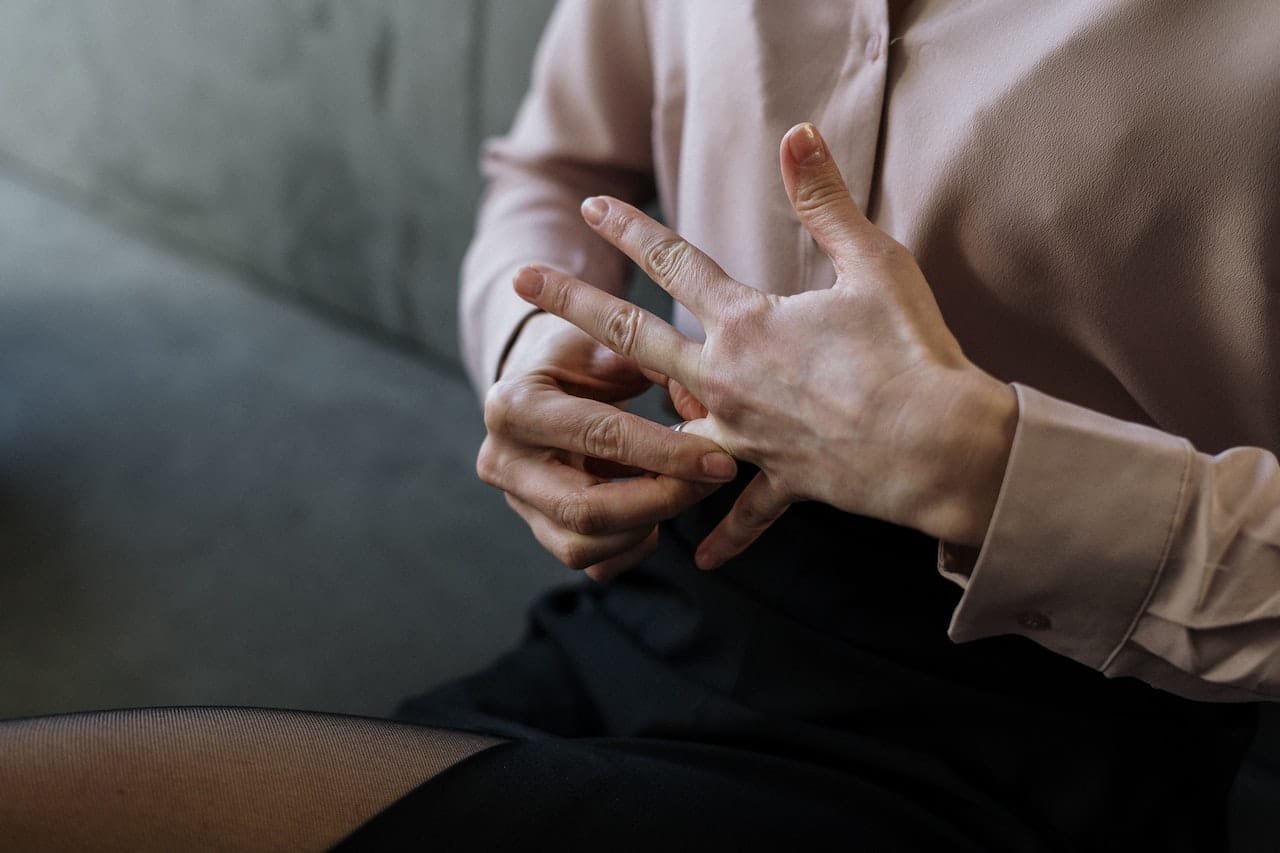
[{"x": 808, "y": 690}]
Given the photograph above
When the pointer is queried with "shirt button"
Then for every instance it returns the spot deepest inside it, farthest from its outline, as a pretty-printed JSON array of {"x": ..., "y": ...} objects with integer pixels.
[
  {"x": 1033, "y": 621},
  {"x": 873, "y": 47}
]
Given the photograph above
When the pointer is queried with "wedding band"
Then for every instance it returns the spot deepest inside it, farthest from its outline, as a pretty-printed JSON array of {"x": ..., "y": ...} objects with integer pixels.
[{"x": 680, "y": 426}]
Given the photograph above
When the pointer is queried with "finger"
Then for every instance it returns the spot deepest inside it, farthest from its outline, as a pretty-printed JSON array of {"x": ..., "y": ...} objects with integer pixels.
[
  {"x": 822, "y": 200},
  {"x": 756, "y": 509},
  {"x": 537, "y": 416},
  {"x": 691, "y": 277},
  {"x": 688, "y": 406},
  {"x": 622, "y": 326},
  {"x": 576, "y": 551},
  {"x": 659, "y": 379},
  {"x": 627, "y": 560},
  {"x": 712, "y": 429},
  {"x": 600, "y": 508},
  {"x": 606, "y": 470}
]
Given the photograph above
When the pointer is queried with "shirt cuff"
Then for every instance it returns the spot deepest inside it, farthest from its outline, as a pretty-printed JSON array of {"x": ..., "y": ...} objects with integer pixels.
[
  {"x": 506, "y": 315},
  {"x": 1080, "y": 532}
]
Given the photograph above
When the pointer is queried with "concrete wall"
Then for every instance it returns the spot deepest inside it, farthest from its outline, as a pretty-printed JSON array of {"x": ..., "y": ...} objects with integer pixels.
[{"x": 327, "y": 146}]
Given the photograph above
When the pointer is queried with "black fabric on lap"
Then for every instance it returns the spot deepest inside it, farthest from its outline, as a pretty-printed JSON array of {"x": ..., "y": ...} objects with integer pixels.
[
  {"x": 825, "y": 644},
  {"x": 646, "y": 795}
]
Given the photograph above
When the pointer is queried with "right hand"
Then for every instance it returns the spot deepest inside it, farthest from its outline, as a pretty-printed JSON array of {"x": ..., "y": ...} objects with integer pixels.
[{"x": 558, "y": 443}]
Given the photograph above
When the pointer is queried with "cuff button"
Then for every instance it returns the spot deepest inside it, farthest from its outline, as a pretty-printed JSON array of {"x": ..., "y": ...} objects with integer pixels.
[{"x": 1034, "y": 621}]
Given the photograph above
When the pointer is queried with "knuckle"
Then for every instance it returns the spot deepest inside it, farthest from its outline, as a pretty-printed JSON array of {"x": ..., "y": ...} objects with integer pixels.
[
  {"x": 605, "y": 437},
  {"x": 668, "y": 258},
  {"x": 574, "y": 553},
  {"x": 819, "y": 194},
  {"x": 582, "y": 515},
  {"x": 752, "y": 516},
  {"x": 558, "y": 294},
  {"x": 622, "y": 329},
  {"x": 487, "y": 463},
  {"x": 621, "y": 226},
  {"x": 503, "y": 404},
  {"x": 763, "y": 508}
]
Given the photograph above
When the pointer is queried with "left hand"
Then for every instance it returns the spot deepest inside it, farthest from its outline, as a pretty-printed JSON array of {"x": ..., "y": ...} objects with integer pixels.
[{"x": 858, "y": 396}]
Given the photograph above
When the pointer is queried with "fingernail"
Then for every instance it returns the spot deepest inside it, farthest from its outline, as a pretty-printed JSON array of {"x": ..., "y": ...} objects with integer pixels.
[
  {"x": 529, "y": 283},
  {"x": 806, "y": 145},
  {"x": 719, "y": 465},
  {"x": 594, "y": 210}
]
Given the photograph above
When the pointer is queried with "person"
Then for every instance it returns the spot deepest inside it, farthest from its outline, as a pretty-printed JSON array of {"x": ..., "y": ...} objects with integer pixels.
[
  {"x": 1005, "y": 533},
  {"x": 992, "y": 560}
]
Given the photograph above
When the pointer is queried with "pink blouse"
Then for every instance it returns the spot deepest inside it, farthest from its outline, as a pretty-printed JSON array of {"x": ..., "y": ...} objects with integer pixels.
[{"x": 1092, "y": 188}]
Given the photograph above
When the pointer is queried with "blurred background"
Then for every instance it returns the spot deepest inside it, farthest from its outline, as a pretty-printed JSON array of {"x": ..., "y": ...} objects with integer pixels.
[{"x": 236, "y": 446}]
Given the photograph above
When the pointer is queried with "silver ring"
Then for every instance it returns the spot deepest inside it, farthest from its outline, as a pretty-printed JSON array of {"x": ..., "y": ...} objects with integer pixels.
[{"x": 680, "y": 426}]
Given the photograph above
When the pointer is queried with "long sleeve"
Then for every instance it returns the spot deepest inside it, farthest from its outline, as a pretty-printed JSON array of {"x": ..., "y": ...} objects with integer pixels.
[
  {"x": 1124, "y": 548},
  {"x": 583, "y": 129}
]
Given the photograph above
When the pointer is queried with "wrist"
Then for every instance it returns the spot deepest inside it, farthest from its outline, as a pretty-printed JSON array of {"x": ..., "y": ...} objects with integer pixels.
[
  {"x": 528, "y": 342},
  {"x": 974, "y": 458}
]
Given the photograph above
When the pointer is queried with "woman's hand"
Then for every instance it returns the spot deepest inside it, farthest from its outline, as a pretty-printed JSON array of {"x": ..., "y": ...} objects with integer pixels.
[
  {"x": 557, "y": 442},
  {"x": 857, "y": 396}
]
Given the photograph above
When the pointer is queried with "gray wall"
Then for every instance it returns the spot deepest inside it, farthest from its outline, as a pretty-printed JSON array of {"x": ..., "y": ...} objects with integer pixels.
[{"x": 326, "y": 146}]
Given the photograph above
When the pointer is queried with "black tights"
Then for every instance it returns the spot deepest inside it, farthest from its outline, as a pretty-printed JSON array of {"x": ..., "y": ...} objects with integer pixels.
[{"x": 208, "y": 778}]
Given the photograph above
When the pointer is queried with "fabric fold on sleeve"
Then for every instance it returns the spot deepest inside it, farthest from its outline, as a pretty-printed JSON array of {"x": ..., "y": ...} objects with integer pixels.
[
  {"x": 583, "y": 129},
  {"x": 1124, "y": 548},
  {"x": 1080, "y": 533}
]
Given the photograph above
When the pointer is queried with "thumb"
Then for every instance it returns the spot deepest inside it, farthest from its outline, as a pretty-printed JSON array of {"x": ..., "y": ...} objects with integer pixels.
[
  {"x": 709, "y": 428},
  {"x": 822, "y": 200}
]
